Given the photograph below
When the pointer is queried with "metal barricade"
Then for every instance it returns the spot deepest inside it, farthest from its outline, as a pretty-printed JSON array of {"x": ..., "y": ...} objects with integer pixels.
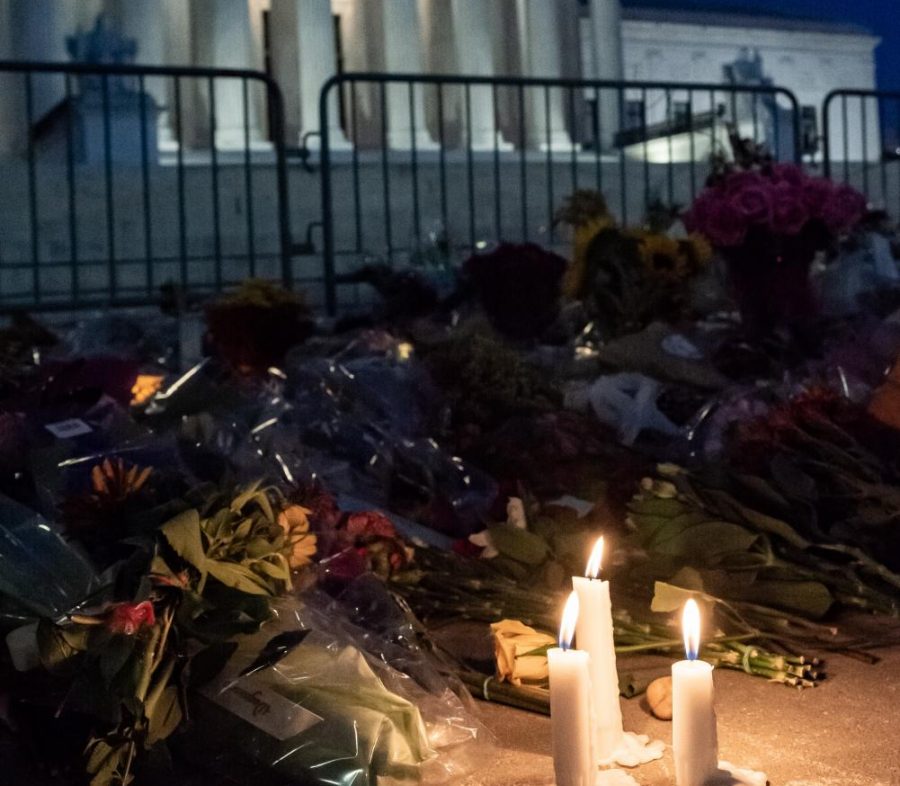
[
  {"x": 483, "y": 159},
  {"x": 117, "y": 180},
  {"x": 856, "y": 125}
]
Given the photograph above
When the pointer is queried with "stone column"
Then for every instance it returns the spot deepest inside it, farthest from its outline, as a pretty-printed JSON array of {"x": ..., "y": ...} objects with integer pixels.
[
  {"x": 403, "y": 49},
  {"x": 473, "y": 37},
  {"x": 148, "y": 23},
  {"x": 222, "y": 39},
  {"x": 541, "y": 56},
  {"x": 303, "y": 59},
  {"x": 606, "y": 21}
]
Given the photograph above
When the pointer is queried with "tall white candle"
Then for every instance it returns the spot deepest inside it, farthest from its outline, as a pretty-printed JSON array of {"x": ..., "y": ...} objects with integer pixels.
[
  {"x": 595, "y": 636},
  {"x": 694, "y": 738},
  {"x": 570, "y": 706}
]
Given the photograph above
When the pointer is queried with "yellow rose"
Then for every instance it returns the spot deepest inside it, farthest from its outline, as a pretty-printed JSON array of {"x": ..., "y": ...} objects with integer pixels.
[
  {"x": 512, "y": 640},
  {"x": 299, "y": 542}
]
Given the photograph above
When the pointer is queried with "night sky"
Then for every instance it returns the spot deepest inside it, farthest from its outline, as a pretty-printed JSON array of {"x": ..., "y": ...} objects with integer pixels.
[{"x": 882, "y": 17}]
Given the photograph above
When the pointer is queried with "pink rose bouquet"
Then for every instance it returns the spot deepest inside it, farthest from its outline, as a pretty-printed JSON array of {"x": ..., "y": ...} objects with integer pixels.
[{"x": 779, "y": 200}]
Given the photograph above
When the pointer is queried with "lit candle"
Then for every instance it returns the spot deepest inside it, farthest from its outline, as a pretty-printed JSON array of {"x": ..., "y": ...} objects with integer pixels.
[
  {"x": 570, "y": 706},
  {"x": 694, "y": 741},
  {"x": 595, "y": 636}
]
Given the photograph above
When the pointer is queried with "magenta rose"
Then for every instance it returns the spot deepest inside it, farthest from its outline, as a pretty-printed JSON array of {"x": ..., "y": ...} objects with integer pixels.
[
  {"x": 844, "y": 209},
  {"x": 789, "y": 173},
  {"x": 725, "y": 225},
  {"x": 789, "y": 214},
  {"x": 737, "y": 181},
  {"x": 754, "y": 203},
  {"x": 817, "y": 192}
]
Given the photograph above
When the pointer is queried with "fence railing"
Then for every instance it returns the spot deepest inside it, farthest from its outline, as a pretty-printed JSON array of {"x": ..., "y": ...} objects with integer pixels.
[
  {"x": 484, "y": 159},
  {"x": 119, "y": 179},
  {"x": 856, "y": 126}
]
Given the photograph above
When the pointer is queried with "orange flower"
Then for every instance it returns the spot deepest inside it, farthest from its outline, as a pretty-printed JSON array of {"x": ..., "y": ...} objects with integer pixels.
[
  {"x": 300, "y": 543},
  {"x": 144, "y": 387}
]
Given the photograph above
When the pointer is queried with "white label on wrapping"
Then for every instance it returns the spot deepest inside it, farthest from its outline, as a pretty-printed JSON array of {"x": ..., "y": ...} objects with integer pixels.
[
  {"x": 64, "y": 429},
  {"x": 252, "y": 701}
]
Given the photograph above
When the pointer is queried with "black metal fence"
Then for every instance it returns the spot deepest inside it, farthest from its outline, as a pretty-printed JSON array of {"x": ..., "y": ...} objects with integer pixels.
[
  {"x": 483, "y": 159},
  {"x": 120, "y": 179},
  {"x": 860, "y": 138}
]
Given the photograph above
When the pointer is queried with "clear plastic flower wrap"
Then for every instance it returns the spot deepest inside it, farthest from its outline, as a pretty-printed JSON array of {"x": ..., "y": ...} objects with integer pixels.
[
  {"x": 40, "y": 573},
  {"x": 315, "y": 699}
]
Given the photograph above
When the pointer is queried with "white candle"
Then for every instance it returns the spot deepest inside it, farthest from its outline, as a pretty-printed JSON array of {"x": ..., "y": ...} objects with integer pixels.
[
  {"x": 595, "y": 636},
  {"x": 694, "y": 739},
  {"x": 570, "y": 706}
]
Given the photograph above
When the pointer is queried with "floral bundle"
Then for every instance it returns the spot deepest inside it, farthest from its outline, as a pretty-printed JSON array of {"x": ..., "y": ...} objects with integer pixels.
[
  {"x": 779, "y": 199},
  {"x": 519, "y": 287}
]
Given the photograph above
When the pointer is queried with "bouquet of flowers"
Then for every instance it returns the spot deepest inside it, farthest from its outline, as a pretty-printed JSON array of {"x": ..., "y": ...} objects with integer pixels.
[{"x": 768, "y": 221}]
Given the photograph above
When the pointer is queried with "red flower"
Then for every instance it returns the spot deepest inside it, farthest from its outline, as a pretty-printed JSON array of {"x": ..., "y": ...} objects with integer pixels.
[
  {"x": 129, "y": 618},
  {"x": 817, "y": 192},
  {"x": 844, "y": 209},
  {"x": 725, "y": 225},
  {"x": 370, "y": 523},
  {"x": 789, "y": 215},
  {"x": 754, "y": 203}
]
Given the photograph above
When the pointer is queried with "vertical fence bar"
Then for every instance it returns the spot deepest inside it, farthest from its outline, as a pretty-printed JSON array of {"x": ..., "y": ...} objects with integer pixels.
[
  {"x": 357, "y": 196},
  {"x": 108, "y": 172},
  {"x": 145, "y": 188},
  {"x": 755, "y": 111},
  {"x": 670, "y": 172},
  {"x": 548, "y": 142},
  {"x": 777, "y": 121},
  {"x": 598, "y": 140},
  {"x": 692, "y": 143},
  {"x": 414, "y": 163},
  {"x": 248, "y": 174},
  {"x": 646, "y": 152},
  {"x": 573, "y": 155},
  {"x": 275, "y": 106},
  {"x": 329, "y": 282},
  {"x": 71, "y": 191},
  {"x": 32, "y": 188},
  {"x": 864, "y": 127},
  {"x": 386, "y": 173},
  {"x": 498, "y": 217},
  {"x": 623, "y": 169},
  {"x": 470, "y": 168},
  {"x": 442, "y": 155},
  {"x": 845, "y": 127},
  {"x": 882, "y": 166},
  {"x": 523, "y": 162},
  {"x": 712, "y": 121},
  {"x": 182, "y": 210},
  {"x": 214, "y": 175}
]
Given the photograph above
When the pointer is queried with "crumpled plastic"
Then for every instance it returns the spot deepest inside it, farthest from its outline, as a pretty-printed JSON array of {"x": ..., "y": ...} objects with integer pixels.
[
  {"x": 625, "y": 402},
  {"x": 40, "y": 572},
  {"x": 347, "y": 705}
]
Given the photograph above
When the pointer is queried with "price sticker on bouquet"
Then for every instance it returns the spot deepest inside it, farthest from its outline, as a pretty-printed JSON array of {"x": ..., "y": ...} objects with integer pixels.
[
  {"x": 66, "y": 429},
  {"x": 251, "y": 700}
]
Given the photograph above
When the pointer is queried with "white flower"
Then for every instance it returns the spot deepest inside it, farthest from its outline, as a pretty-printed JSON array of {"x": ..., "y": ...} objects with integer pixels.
[
  {"x": 515, "y": 513},
  {"x": 484, "y": 540}
]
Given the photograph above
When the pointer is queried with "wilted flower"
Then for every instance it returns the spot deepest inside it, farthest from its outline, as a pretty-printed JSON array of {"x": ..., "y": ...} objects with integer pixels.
[
  {"x": 300, "y": 543},
  {"x": 129, "y": 618},
  {"x": 513, "y": 640}
]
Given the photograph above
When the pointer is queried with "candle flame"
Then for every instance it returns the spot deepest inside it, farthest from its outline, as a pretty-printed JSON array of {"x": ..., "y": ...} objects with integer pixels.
[
  {"x": 569, "y": 618},
  {"x": 596, "y": 560},
  {"x": 690, "y": 624}
]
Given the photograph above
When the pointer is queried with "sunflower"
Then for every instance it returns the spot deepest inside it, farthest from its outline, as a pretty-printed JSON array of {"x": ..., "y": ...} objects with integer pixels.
[
  {"x": 663, "y": 257},
  {"x": 697, "y": 250},
  {"x": 576, "y": 274},
  {"x": 299, "y": 542}
]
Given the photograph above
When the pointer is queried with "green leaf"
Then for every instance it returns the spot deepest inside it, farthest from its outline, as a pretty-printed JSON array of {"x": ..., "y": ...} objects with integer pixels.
[
  {"x": 238, "y": 503},
  {"x": 704, "y": 543},
  {"x": 183, "y": 534},
  {"x": 54, "y": 649},
  {"x": 519, "y": 544},
  {"x": 238, "y": 577},
  {"x": 114, "y": 657},
  {"x": 809, "y": 598},
  {"x": 165, "y": 717}
]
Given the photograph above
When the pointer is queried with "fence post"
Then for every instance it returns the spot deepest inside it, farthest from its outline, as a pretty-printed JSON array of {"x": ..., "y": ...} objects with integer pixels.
[
  {"x": 276, "y": 105},
  {"x": 327, "y": 209}
]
